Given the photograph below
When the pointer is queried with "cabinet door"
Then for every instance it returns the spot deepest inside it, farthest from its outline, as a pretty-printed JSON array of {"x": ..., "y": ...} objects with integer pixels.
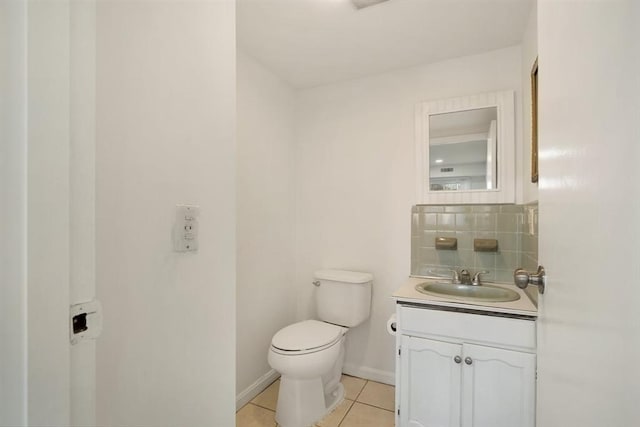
[
  {"x": 429, "y": 383},
  {"x": 498, "y": 387}
]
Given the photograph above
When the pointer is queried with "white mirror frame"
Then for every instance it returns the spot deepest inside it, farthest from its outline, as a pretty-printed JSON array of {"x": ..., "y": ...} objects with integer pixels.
[{"x": 505, "y": 193}]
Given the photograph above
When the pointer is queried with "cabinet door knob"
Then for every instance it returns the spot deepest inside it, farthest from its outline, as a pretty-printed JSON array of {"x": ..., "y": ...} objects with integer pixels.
[
  {"x": 457, "y": 359},
  {"x": 468, "y": 360}
]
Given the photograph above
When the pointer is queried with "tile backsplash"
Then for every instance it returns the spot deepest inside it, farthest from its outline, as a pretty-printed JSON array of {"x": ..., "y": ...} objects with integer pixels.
[{"x": 515, "y": 227}]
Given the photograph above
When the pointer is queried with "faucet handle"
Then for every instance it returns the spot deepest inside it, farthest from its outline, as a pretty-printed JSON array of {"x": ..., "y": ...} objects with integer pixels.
[
  {"x": 476, "y": 277},
  {"x": 455, "y": 279}
]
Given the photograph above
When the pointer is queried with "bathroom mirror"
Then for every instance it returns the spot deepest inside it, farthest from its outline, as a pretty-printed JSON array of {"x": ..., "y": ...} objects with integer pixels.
[
  {"x": 466, "y": 149},
  {"x": 462, "y": 150}
]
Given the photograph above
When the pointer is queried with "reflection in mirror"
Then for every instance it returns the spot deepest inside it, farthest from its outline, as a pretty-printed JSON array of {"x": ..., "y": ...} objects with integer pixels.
[{"x": 463, "y": 150}]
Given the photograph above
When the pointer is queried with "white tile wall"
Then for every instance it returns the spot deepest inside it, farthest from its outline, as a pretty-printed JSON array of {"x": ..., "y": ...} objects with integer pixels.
[{"x": 506, "y": 223}]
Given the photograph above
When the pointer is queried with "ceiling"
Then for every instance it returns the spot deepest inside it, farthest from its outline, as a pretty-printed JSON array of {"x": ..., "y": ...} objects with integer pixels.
[
  {"x": 457, "y": 154},
  {"x": 314, "y": 42}
]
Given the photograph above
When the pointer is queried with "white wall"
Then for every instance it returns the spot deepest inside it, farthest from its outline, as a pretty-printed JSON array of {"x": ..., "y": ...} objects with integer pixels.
[
  {"x": 13, "y": 193},
  {"x": 355, "y": 181},
  {"x": 265, "y": 215},
  {"x": 588, "y": 341},
  {"x": 529, "y": 190},
  {"x": 165, "y": 122}
]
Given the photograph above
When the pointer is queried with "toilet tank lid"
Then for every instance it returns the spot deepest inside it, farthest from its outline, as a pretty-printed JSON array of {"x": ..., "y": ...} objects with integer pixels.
[{"x": 344, "y": 276}]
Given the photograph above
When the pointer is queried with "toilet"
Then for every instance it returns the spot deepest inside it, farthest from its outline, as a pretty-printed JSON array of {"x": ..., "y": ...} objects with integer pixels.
[{"x": 309, "y": 355}]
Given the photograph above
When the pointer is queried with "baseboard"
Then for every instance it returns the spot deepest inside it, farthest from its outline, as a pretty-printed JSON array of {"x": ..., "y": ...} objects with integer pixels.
[
  {"x": 246, "y": 395},
  {"x": 372, "y": 374}
]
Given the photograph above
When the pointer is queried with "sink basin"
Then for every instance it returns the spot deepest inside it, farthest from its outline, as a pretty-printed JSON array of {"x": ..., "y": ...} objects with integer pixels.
[{"x": 486, "y": 293}]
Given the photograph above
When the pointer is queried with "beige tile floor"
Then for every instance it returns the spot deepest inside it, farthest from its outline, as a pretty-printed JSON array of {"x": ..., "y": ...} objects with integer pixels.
[{"x": 366, "y": 404}]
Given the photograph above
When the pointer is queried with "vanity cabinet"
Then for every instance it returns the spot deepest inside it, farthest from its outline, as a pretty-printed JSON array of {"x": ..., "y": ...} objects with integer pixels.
[{"x": 464, "y": 369}]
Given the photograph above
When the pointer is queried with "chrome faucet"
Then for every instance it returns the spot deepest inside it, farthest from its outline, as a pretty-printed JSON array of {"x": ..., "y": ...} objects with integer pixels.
[
  {"x": 465, "y": 277},
  {"x": 476, "y": 278}
]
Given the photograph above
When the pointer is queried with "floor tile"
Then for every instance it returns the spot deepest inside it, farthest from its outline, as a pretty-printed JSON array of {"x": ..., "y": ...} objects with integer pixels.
[
  {"x": 352, "y": 386},
  {"x": 334, "y": 418},
  {"x": 254, "y": 416},
  {"x": 269, "y": 397},
  {"x": 377, "y": 394},
  {"x": 361, "y": 415}
]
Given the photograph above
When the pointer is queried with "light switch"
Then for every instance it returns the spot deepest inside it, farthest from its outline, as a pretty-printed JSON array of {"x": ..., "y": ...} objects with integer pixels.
[{"x": 185, "y": 233}]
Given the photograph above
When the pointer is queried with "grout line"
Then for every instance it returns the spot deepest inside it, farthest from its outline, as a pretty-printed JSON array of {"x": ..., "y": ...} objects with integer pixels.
[
  {"x": 366, "y": 404},
  {"x": 377, "y": 407},
  {"x": 261, "y": 393},
  {"x": 361, "y": 390},
  {"x": 353, "y": 402},
  {"x": 369, "y": 404},
  {"x": 260, "y": 406},
  {"x": 346, "y": 413}
]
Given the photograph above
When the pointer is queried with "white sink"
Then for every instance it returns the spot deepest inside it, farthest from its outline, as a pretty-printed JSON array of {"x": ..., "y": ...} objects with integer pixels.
[{"x": 488, "y": 293}]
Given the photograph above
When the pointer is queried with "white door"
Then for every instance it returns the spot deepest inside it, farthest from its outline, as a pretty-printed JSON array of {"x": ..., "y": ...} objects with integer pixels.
[
  {"x": 82, "y": 192},
  {"x": 13, "y": 153},
  {"x": 59, "y": 165},
  {"x": 430, "y": 383},
  {"x": 48, "y": 201},
  {"x": 498, "y": 387},
  {"x": 157, "y": 369},
  {"x": 588, "y": 339}
]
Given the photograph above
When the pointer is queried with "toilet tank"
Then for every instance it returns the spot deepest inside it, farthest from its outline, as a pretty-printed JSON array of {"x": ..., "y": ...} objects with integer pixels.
[{"x": 343, "y": 297}]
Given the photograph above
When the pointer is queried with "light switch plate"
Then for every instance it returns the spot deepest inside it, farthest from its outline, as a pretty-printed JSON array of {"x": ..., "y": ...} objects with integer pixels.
[{"x": 185, "y": 233}]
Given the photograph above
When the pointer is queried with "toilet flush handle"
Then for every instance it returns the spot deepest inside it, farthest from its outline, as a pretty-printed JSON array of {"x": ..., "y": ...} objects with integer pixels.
[{"x": 316, "y": 283}]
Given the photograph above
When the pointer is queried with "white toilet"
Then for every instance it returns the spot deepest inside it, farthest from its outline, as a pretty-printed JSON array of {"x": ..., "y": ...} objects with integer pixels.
[{"x": 309, "y": 354}]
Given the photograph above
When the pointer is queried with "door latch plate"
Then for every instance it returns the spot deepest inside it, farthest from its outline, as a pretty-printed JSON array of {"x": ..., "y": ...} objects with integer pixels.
[{"x": 85, "y": 321}]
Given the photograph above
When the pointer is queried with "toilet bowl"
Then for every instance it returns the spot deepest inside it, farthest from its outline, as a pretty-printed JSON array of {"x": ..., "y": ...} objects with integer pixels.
[{"x": 309, "y": 355}]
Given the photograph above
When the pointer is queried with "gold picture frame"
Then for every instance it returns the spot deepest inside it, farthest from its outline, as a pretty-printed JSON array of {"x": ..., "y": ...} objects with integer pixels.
[{"x": 534, "y": 122}]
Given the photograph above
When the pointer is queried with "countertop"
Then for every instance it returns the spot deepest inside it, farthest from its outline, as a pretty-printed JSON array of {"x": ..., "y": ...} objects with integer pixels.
[{"x": 408, "y": 293}]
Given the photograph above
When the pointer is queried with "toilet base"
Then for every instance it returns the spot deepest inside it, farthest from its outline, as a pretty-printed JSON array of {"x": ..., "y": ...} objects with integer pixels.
[{"x": 301, "y": 402}]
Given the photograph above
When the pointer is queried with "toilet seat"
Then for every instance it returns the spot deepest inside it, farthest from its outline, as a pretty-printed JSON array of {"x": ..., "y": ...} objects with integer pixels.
[{"x": 305, "y": 337}]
